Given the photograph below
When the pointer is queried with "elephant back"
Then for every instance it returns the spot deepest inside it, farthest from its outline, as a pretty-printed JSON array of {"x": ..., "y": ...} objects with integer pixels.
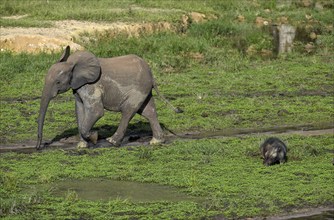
[{"x": 128, "y": 70}]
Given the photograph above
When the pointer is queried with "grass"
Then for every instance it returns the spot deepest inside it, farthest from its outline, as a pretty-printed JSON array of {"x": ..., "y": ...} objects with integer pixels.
[
  {"x": 227, "y": 172},
  {"x": 84, "y": 10},
  {"x": 259, "y": 94},
  {"x": 208, "y": 71}
]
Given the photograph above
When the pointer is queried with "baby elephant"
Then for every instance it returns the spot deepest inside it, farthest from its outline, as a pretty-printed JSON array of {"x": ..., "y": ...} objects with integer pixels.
[
  {"x": 273, "y": 151},
  {"x": 120, "y": 84}
]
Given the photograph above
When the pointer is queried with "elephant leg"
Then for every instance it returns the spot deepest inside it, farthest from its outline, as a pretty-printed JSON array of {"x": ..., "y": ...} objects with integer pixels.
[
  {"x": 91, "y": 117},
  {"x": 150, "y": 113},
  {"x": 120, "y": 132},
  {"x": 86, "y": 118},
  {"x": 80, "y": 113}
]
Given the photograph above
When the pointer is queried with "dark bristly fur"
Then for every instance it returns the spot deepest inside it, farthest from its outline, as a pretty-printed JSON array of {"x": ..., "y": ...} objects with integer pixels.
[{"x": 273, "y": 151}]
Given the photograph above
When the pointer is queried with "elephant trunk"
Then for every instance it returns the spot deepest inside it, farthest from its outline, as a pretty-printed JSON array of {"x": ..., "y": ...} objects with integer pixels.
[{"x": 42, "y": 111}]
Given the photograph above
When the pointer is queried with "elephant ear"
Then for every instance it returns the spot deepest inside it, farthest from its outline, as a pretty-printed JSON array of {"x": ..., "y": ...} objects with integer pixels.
[
  {"x": 65, "y": 54},
  {"x": 86, "y": 68}
]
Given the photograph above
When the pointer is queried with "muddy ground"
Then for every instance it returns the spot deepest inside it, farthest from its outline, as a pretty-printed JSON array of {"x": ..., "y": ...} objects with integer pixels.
[
  {"x": 69, "y": 143},
  {"x": 62, "y": 33}
]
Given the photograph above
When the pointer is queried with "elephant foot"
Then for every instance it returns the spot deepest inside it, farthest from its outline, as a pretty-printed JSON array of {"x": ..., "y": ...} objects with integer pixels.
[
  {"x": 155, "y": 141},
  {"x": 82, "y": 145},
  {"x": 93, "y": 137},
  {"x": 113, "y": 142}
]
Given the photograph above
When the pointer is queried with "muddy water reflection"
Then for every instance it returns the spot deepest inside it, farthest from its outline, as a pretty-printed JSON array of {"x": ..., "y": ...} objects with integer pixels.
[
  {"x": 102, "y": 189},
  {"x": 327, "y": 215},
  {"x": 320, "y": 214}
]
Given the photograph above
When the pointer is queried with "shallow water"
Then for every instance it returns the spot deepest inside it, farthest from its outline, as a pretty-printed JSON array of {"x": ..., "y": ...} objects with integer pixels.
[
  {"x": 143, "y": 139},
  {"x": 102, "y": 189},
  {"x": 324, "y": 215},
  {"x": 329, "y": 215}
]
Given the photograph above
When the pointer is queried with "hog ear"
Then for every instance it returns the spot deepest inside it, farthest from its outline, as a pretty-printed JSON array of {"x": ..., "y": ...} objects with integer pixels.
[
  {"x": 86, "y": 68},
  {"x": 65, "y": 54},
  {"x": 266, "y": 155}
]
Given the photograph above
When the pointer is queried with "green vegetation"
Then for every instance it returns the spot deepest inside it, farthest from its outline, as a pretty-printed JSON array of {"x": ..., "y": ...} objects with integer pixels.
[
  {"x": 87, "y": 10},
  {"x": 227, "y": 173},
  {"x": 221, "y": 72},
  {"x": 226, "y": 91}
]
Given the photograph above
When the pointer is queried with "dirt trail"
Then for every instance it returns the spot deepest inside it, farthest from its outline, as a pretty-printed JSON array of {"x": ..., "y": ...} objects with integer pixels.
[{"x": 69, "y": 143}]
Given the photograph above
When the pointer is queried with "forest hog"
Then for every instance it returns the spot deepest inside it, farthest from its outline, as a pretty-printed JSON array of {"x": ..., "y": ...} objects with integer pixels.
[{"x": 273, "y": 151}]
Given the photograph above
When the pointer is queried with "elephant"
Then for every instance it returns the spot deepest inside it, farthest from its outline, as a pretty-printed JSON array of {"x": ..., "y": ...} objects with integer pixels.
[{"x": 120, "y": 84}]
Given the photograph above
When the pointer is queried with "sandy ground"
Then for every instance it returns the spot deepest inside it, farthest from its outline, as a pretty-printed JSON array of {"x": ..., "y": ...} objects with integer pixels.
[
  {"x": 67, "y": 32},
  {"x": 35, "y": 40}
]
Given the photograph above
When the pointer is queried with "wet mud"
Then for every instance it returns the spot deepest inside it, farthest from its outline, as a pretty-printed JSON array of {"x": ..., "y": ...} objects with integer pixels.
[
  {"x": 321, "y": 213},
  {"x": 99, "y": 189},
  {"x": 106, "y": 189},
  {"x": 140, "y": 139},
  {"x": 310, "y": 214}
]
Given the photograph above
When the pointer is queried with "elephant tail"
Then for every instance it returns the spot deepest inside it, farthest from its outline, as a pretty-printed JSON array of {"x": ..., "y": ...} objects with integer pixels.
[{"x": 175, "y": 109}]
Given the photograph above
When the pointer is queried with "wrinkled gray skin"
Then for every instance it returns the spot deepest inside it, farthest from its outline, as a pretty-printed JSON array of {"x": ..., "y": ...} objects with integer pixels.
[
  {"x": 273, "y": 151},
  {"x": 121, "y": 84}
]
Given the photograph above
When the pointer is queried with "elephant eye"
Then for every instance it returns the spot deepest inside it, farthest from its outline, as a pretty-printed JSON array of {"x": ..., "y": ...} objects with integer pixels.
[{"x": 58, "y": 82}]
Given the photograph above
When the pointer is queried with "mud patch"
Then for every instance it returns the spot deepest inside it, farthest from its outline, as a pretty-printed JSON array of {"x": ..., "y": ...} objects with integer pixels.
[
  {"x": 104, "y": 190},
  {"x": 304, "y": 130},
  {"x": 307, "y": 214},
  {"x": 142, "y": 139}
]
